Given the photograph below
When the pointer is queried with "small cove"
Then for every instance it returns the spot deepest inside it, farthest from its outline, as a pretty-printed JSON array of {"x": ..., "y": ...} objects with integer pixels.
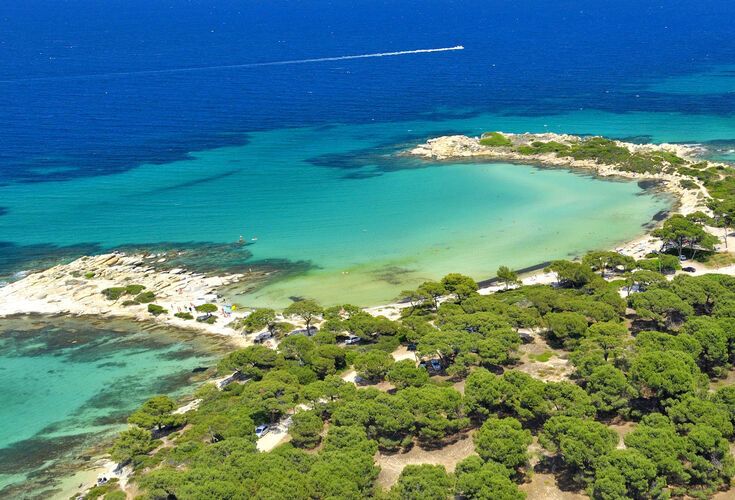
[{"x": 69, "y": 383}]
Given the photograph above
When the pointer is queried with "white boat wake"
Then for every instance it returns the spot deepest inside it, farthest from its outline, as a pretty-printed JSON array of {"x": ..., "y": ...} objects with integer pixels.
[{"x": 235, "y": 66}]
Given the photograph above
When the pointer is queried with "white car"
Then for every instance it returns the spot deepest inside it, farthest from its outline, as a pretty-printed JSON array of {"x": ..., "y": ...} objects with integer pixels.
[
  {"x": 352, "y": 339},
  {"x": 261, "y": 430}
]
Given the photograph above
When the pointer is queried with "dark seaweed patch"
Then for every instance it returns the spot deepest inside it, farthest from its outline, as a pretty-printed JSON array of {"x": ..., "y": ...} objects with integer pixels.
[
  {"x": 204, "y": 257},
  {"x": 129, "y": 156},
  {"x": 393, "y": 275},
  {"x": 377, "y": 160},
  {"x": 637, "y": 139},
  {"x": 111, "y": 364},
  {"x": 29, "y": 454}
]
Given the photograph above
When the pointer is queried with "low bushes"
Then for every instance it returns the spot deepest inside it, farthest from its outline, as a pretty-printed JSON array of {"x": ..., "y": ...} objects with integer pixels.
[
  {"x": 494, "y": 139},
  {"x": 145, "y": 297},
  {"x": 155, "y": 309},
  {"x": 114, "y": 293}
]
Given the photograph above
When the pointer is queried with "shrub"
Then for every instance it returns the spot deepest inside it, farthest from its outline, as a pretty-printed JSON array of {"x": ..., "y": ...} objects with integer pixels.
[
  {"x": 145, "y": 297},
  {"x": 539, "y": 148},
  {"x": 89, "y": 275},
  {"x": 130, "y": 303},
  {"x": 688, "y": 184},
  {"x": 113, "y": 293},
  {"x": 207, "y": 308},
  {"x": 104, "y": 490},
  {"x": 184, "y": 315},
  {"x": 155, "y": 309},
  {"x": 116, "y": 495},
  {"x": 134, "y": 289},
  {"x": 494, "y": 139},
  {"x": 543, "y": 357}
]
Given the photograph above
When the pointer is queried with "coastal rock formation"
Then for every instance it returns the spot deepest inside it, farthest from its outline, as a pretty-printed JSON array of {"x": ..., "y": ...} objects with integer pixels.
[
  {"x": 462, "y": 146},
  {"x": 76, "y": 288}
]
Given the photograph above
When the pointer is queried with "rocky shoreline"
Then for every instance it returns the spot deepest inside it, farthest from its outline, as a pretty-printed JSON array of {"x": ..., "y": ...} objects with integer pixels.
[{"x": 77, "y": 289}]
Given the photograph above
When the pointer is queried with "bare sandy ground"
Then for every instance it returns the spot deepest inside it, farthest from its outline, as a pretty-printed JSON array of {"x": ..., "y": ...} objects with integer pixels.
[{"x": 449, "y": 456}]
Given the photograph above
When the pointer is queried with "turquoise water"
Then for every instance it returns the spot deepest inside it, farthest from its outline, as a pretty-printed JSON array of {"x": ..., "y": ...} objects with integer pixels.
[
  {"x": 68, "y": 383},
  {"x": 90, "y": 163},
  {"x": 365, "y": 221}
]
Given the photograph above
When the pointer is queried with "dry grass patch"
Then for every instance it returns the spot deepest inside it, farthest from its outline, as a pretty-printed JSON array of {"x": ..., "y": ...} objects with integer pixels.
[
  {"x": 543, "y": 487},
  {"x": 540, "y": 361}
]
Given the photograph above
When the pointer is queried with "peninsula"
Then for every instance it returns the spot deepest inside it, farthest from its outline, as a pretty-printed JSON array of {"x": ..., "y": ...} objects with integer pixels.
[{"x": 677, "y": 167}]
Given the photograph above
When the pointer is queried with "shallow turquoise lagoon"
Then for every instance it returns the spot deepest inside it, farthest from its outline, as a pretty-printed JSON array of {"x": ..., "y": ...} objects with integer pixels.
[
  {"x": 365, "y": 221},
  {"x": 69, "y": 383}
]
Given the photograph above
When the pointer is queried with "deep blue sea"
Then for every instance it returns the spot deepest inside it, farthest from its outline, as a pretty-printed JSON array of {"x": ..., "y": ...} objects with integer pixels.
[
  {"x": 525, "y": 58},
  {"x": 145, "y": 123}
]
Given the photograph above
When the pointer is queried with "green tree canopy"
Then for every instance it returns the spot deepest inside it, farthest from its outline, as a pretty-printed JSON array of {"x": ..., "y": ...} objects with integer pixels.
[
  {"x": 433, "y": 291},
  {"x": 252, "y": 361},
  {"x": 485, "y": 481},
  {"x": 662, "y": 306},
  {"x": 459, "y": 285},
  {"x": 580, "y": 443},
  {"x": 663, "y": 263},
  {"x": 259, "y": 320},
  {"x": 503, "y": 441},
  {"x": 571, "y": 274},
  {"x": 624, "y": 474},
  {"x": 131, "y": 443},
  {"x": 662, "y": 375},
  {"x": 156, "y": 413},
  {"x": 405, "y": 373},
  {"x": 305, "y": 429},
  {"x": 656, "y": 438},
  {"x": 373, "y": 365},
  {"x": 609, "y": 389},
  {"x": 566, "y": 327},
  {"x": 307, "y": 310},
  {"x": 507, "y": 276},
  {"x": 680, "y": 232},
  {"x": 606, "y": 260},
  {"x": 422, "y": 481},
  {"x": 207, "y": 308}
]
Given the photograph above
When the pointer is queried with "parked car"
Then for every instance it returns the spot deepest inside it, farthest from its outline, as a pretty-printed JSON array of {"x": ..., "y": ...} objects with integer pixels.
[
  {"x": 683, "y": 258},
  {"x": 261, "y": 430},
  {"x": 432, "y": 365},
  {"x": 526, "y": 337},
  {"x": 352, "y": 339},
  {"x": 411, "y": 346},
  {"x": 688, "y": 269},
  {"x": 204, "y": 317},
  {"x": 262, "y": 337}
]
